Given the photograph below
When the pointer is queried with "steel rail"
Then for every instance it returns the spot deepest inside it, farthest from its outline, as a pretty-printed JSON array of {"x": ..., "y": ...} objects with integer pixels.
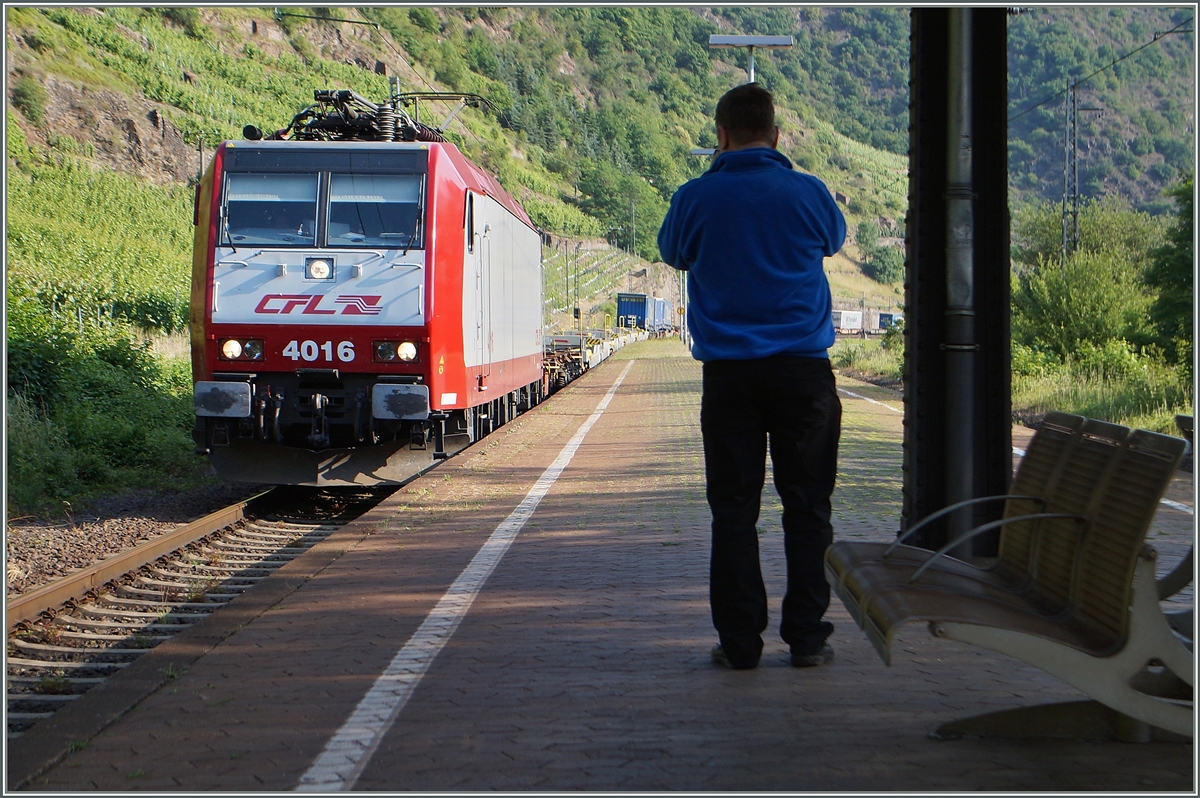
[{"x": 28, "y": 606}]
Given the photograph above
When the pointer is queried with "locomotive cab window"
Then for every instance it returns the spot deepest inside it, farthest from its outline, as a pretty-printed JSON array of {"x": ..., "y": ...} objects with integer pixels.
[
  {"x": 375, "y": 211},
  {"x": 273, "y": 209}
]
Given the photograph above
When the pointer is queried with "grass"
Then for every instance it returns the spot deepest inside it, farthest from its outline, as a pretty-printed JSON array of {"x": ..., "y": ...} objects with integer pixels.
[
  {"x": 847, "y": 283},
  {"x": 98, "y": 245},
  {"x": 869, "y": 358},
  {"x": 1147, "y": 397},
  {"x": 1149, "y": 401}
]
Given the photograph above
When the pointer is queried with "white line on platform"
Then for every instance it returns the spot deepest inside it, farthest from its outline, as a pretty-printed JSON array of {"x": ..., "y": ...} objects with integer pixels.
[
  {"x": 868, "y": 399},
  {"x": 347, "y": 753},
  {"x": 1173, "y": 505}
]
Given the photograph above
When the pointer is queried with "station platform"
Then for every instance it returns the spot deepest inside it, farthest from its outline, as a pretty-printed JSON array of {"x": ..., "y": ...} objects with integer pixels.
[{"x": 457, "y": 638}]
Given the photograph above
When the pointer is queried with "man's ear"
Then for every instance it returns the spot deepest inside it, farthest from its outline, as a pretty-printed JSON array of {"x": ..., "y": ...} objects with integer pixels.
[
  {"x": 722, "y": 138},
  {"x": 775, "y": 138}
]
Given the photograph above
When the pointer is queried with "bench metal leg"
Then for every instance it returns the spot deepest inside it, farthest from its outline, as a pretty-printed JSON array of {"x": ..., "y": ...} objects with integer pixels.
[
  {"x": 1073, "y": 720},
  {"x": 1106, "y": 679},
  {"x": 1183, "y": 623}
]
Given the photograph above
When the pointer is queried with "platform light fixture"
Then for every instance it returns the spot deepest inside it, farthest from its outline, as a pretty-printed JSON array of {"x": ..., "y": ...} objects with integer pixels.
[{"x": 720, "y": 41}]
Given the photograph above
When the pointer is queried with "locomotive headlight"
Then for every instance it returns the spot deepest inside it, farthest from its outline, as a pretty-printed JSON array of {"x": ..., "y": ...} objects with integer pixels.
[
  {"x": 318, "y": 269},
  {"x": 407, "y": 351},
  {"x": 249, "y": 349},
  {"x": 385, "y": 351},
  {"x": 252, "y": 349}
]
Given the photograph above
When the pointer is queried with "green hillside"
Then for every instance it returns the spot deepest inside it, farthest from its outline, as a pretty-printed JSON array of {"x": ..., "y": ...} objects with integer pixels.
[
  {"x": 112, "y": 112},
  {"x": 1142, "y": 138}
]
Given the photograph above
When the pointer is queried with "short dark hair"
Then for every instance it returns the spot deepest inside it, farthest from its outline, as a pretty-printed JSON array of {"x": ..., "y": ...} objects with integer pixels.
[{"x": 747, "y": 112}]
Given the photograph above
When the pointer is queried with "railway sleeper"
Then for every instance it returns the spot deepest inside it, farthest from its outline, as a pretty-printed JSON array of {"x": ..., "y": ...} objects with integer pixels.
[
  {"x": 279, "y": 527},
  {"x": 28, "y": 717},
  {"x": 271, "y": 540},
  {"x": 35, "y": 701},
  {"x": 190, "y": 576},
  {"x": 234, "y": 549},
  {"x": 132, "y": 593},
  {"x": 129, "y": 627},
  {"x": 55, "y": 681},
  {"x": 21, "y": 665},
  {"x": 275, "y": 520},
  {"x": 241, "y": 540},
  {"x": 93, "y": 612},
  {"x": 206, "y": 606},
  {"x": 109, "y": 640},
  {"x": 242, "y": 554},
  {"x": 79, "y": 651},
  {"x": 236, "y": 569},
  {"x": 191, "y": 585}
]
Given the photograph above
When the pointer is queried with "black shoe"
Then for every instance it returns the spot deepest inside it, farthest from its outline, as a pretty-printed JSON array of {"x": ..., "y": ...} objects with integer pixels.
[
  {"x": 720, "y": 658},
  {"x": 811, "y": 660}
]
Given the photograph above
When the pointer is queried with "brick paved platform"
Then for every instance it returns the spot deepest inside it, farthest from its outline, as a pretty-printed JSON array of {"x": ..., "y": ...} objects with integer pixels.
[{"x": 583, "y": 662}]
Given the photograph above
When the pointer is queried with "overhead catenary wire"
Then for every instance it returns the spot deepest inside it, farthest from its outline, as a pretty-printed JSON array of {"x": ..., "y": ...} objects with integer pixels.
[{"x": 1158, "y": 36}]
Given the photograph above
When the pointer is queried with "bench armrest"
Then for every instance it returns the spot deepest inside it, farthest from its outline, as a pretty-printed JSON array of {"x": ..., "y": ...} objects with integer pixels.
[
  {"x": 979, "y": 530},
  {"x": 957, "y": 506}
]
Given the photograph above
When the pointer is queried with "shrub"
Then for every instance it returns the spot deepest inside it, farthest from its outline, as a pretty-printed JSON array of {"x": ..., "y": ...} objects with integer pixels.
[
  {"x": 1170, "y": 275},
  {"x": 893, "y": 338},
  {"x": 41, "y": 463},
  {"x": 1115, "y": 359},
  {"x": 1094, "y": 297},
  {"x": 305, "y": 49},
  {"x": 1030, "y": 362},
  {"x": 189, "y": 19},
  {"x": 29, "y": 97},
  {"x": 885, "y": 265},
  {"x": 425, "y": 18}
]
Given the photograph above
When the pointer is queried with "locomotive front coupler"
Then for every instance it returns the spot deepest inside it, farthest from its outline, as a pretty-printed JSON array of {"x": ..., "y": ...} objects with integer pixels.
[
  {"x": 418, "y": 435},
  {"x": 319, "y": 436}
]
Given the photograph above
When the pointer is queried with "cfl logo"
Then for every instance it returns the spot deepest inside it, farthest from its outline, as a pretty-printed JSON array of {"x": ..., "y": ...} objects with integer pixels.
[
  {"x": 359, "y": 305},
  {"x": 310, "y": 305}
]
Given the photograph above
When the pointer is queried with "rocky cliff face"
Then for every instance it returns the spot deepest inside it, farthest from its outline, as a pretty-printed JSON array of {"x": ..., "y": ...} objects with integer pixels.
[{"x": 130, "y": 133}]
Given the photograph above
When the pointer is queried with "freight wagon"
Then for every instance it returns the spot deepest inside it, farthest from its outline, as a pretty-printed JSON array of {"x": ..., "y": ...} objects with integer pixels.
[
  {"x": 633, "y": 311},
  {"x": 848, "y": 321}
]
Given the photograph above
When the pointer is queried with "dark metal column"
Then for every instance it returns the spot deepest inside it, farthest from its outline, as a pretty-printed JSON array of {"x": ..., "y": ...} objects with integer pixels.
[{"x": 982, "y": 429}]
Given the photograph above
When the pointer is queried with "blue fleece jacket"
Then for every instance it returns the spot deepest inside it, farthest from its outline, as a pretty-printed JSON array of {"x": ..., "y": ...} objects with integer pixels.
[{"x": 752, "y": 235}]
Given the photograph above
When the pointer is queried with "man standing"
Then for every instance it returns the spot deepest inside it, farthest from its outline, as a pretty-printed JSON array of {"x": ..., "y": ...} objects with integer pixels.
[{"x": 752, "y": 234}]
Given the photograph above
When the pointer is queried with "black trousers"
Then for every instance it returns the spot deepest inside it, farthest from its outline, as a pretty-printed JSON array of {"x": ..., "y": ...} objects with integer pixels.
[{"x": 793, "y": 402}]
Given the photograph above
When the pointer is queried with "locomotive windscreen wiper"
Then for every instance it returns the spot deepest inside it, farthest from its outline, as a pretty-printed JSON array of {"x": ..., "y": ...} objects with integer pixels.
[{"x": 416, "y": 227}]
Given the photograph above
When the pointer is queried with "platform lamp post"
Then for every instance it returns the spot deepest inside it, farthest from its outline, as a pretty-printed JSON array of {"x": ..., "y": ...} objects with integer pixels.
[
  {"x": 750, "y": 42},
  {"x": 726, "y": 42}
]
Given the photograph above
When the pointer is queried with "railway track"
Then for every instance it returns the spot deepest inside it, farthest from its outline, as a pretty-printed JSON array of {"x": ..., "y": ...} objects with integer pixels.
[{"x": 69, "y": 636}]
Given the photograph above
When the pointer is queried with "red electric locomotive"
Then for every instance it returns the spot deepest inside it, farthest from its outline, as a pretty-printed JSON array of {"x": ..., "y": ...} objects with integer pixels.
[{"x": 365, "y": 300}]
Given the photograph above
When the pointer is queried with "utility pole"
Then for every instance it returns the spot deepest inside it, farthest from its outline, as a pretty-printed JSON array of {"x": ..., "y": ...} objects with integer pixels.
[
  {"x": 633, "y": 224},
  {"x": 1070, "y": 199}
]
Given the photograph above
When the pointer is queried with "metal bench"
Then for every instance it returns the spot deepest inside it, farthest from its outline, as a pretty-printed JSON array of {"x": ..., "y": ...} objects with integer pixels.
[{"x": 1072, "y": 591}]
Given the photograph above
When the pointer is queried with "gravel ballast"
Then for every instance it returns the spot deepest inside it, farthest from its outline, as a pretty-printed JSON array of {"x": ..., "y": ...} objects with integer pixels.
[{"x": 37, "y": 552}]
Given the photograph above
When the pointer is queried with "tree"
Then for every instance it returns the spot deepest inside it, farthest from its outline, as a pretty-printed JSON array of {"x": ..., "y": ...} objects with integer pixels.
[
  {"x": 886, "y": 265},
  {"x": 1170, "y": 275},
  {"x": 882, "y": 264},
  {"x": 1093, "y": 298},
  {"x": 1109, "y": 225}
]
